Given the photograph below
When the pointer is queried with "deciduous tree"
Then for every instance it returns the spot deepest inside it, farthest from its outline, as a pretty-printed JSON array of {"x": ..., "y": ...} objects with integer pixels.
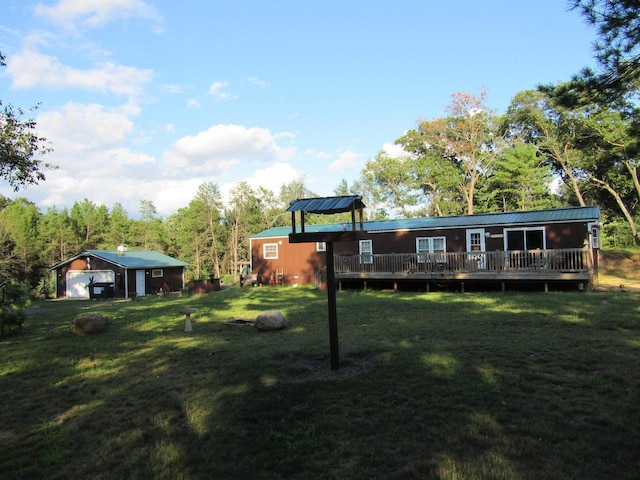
[
  {"x": 20, "y": 147},
  {"x": 457, "y": 152},
  {"x": 20, "y": 222},
  {"x": 391, "y": 183},
  {"x": 555, "y": 130}
]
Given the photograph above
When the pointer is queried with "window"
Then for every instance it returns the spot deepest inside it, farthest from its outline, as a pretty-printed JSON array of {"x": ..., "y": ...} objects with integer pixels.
[
  {"x": 321, "y": 246},
  {"x": 366, "y": 251},
  {"x": 423, "y": 245},
  {"x": 595, "y": 237},
  {"x": 525, "y": 239},
  {"x": 270, "y": 251},
  {"x": 475, "y": 240},
  {"x": 157, "y": 273},
  {"x": 426, "y": 245}
]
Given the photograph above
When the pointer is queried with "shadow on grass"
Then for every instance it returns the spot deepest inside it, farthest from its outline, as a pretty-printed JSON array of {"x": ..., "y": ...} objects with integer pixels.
[{"x": 438, "y": 386}]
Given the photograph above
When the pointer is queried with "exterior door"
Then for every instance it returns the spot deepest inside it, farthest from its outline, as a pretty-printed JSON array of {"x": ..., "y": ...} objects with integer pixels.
[
  {"x": 476, "y": 247},
  {"x": 140, "y": 283}
]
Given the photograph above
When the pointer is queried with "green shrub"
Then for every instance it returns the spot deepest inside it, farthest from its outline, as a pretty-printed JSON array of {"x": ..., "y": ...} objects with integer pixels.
[
  {"x": 15, "y": 300},
  {"x": 617, "y": 234}
]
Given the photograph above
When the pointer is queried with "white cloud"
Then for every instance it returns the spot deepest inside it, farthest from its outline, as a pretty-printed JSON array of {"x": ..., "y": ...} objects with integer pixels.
[
  {"x": 257, "y": 82},
  {"x": 29, "y": 69},
  {"x": 193, "y": 103},
  {"x": 271, "y": 178},
  {"x": 90, "y": 148},
  {"x": 319, "y": 155},
  {"x": 217, "y": 91},
  {"x": 346, "y": 161},
  {"x": 171, "y": 88},
  {"x": 95, "y": 13},
  {"x": 215, "y": 150},
  {"x": 395, "y": 151},
  {"x": 89, "y": 125}
]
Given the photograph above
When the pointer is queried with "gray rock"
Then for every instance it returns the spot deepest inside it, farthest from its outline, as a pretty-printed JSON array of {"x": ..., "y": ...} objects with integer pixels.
[
  {"x": 87, "y": 323},
  {"x": 270, "y": 320}
]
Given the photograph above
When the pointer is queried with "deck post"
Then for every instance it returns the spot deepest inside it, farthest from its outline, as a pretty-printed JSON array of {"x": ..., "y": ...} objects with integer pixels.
[{"x": 333, "y": 312}]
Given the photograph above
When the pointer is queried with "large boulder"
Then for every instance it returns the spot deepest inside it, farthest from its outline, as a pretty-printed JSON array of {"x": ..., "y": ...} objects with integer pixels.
[
  {"x": 87, "y": 323},
  {"x": 270, "y": 320}
]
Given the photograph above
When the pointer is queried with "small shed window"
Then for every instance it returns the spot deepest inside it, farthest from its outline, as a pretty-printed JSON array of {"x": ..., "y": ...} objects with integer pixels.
[
  {"x": 595, "y": 237},
  {"x": 157, "y": 273},
  {"x": 270, "y": 251},
  {"x": 321, "y": 246},
  {"x": 366, "y": 251}
]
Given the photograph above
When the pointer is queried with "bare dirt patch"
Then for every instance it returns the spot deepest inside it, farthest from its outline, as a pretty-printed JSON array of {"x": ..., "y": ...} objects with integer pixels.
[
  {"x": 310, "y": 368},
  {"x": 618, "y": 271}
]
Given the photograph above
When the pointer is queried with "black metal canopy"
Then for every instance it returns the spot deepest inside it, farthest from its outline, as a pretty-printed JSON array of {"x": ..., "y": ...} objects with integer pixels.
[{"x": 327, "y": 205}]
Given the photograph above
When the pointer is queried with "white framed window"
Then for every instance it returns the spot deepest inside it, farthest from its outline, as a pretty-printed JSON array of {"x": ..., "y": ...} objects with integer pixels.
[
  {"x": 270, "y": 251},
  {"x": 321, "y": 246},
  {"x": 528, "y": 238},
  {"x": 426, "y": 245},
  {"x": 157, "y": 273},
  {"x": 595, "y": 236},
  {"x": 476, "y": 240},
  {"x": 366, "y": 251}
]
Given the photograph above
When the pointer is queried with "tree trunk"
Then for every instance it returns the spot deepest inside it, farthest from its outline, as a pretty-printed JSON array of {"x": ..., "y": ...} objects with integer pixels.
[
  {"x": 625, "y": 211},
  {"x": 633, "y": 171},
  {"x": 559, "y": 157},
  {"x": 214, "y": 247}
]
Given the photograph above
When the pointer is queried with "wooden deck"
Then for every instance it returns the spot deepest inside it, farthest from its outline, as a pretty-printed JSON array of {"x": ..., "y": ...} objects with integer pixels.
[{"x": 563, "y": 265}]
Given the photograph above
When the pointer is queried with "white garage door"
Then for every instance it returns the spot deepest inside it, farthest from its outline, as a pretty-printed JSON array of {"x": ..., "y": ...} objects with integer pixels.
[{"x": 78, "y": 281}]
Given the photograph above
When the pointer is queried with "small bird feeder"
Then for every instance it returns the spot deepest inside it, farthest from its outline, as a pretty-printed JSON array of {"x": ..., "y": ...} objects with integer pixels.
[{"x": 328, "y": 206}]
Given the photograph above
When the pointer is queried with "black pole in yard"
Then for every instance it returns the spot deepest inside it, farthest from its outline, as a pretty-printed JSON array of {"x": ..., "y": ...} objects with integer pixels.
[{"x": 333, "y": 313}]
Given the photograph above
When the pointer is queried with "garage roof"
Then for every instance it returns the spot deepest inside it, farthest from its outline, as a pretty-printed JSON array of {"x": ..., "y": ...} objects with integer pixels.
[{"x": 130, "y": 259}]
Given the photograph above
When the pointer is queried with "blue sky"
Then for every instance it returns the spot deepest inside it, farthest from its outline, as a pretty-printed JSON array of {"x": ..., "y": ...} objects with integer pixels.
[{"x": 147, "y": 99}]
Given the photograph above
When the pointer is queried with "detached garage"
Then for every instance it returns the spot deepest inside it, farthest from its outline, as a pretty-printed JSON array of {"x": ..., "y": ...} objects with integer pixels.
[{"x": 120, "y": 273}]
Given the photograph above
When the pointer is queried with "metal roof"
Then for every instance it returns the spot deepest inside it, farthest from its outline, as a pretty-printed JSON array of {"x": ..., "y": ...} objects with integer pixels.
[
  {"x": 130, "y": 258},
  {"x": 326, "y": 205},
  {"x": 554, "y": 215}
]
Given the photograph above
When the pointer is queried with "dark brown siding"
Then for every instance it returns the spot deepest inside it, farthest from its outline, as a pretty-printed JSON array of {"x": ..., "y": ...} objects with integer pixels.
[
  {"x": 299, "y": 261},
  {"x": 171, "y": 275},
  {"x": 302, "y": 261},
  {"x": 567, "y": 235}
]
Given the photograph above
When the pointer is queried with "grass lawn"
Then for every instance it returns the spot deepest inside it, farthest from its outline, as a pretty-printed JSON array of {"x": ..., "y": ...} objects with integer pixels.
[{"x": 431, "y": 386}]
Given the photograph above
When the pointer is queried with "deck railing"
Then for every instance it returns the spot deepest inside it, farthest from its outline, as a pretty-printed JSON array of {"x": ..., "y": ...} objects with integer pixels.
[{"x": 529, "y": 261}]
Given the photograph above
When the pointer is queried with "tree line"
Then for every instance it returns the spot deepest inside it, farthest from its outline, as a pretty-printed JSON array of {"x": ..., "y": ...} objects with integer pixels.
[{"x": 210, "y": 235}]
